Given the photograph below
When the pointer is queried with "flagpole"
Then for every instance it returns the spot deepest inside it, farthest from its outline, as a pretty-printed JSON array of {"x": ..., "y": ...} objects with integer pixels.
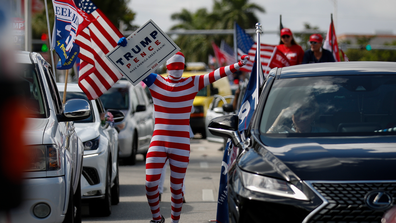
[
  {"x": 49, "y": 39},
  {"x": 64, "y": 91},
  {"x": 258, "y": 53},
  {"x": 235, "y": 42}
]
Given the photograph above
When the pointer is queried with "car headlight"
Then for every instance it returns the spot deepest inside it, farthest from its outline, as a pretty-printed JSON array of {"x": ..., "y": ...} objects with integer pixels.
[
  {"x": 271, "y": 186},
  {"x": 92, "y": 144},
  {"x": 44, "y": 157}
]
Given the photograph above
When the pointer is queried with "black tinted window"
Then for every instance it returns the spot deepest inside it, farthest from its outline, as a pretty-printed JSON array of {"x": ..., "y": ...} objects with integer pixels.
[{"x": 116, "y": 98}]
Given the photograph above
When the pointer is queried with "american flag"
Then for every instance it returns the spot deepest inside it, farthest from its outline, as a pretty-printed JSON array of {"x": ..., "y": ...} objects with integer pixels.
[
  {"x": 270, "y": 57},
  {"x": 99, "y": 37}
]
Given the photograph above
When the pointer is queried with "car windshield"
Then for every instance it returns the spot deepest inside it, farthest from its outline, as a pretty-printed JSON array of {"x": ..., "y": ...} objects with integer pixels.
[
  {"x": 80, "y": 95},
  {"x": 202, "y": 92},
  {"x": 116, "y": 98},
  {"x": 338, "y": 104},
  {"x": 32, "y": 92}
]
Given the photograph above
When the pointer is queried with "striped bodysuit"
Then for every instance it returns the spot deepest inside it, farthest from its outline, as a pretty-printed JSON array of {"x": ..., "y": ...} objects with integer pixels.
[{"x": 173, "y": 100}]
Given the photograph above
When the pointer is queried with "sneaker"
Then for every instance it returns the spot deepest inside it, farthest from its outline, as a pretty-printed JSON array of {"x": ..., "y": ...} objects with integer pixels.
[{"x": 160, "y": 221}]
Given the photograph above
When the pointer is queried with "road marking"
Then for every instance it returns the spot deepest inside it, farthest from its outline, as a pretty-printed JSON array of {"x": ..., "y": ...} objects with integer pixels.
[
  {"x": 207, "y": 195},
  {"x": 204, "y": 164}
]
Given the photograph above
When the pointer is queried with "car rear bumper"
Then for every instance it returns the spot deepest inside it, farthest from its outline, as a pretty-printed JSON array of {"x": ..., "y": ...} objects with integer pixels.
[{"x": 49, "y": 191}]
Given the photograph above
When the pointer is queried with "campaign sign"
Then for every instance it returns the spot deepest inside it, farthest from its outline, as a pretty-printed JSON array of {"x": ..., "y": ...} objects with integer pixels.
[{"x": 147, "y": 48}]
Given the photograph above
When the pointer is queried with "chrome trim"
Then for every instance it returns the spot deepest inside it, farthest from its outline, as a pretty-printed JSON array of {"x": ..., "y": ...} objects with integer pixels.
[
  {"x": 93, "y": 197},
  {"x": 325, "y": 202}
]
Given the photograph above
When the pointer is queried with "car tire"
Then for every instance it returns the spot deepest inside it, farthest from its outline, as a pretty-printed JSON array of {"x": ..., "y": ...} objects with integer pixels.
[
  {"x": 203, "y": 132},
  {"x": 132, "y": 159},
  {"x": 77, "y": 204},
  {"x": 102, "y": 207},
  {"x": 115, "y": 190},
  {"x": 69, "y": 217}
]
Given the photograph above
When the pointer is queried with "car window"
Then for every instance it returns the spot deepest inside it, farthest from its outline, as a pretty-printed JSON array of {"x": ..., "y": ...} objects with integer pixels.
[
  {"x": 203, "y": 92},
  {"x": 55, "y": 96},
  {"x": 141, "y": 96},
  {"x": 116, "y": 98},
  {"x": 340, "y": 104},
  {"x": 80, "y": 95},
  {"x": 34, "y": 96}
]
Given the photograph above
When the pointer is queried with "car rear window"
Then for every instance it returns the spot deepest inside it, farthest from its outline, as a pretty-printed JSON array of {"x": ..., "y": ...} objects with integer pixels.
[
  {"x": 116, "y": 98},
  {"x": 335, "y": 104}
]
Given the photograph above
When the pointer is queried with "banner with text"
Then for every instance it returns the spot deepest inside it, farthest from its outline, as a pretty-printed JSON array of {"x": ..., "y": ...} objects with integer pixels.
[{"x": 147, "y": 48}]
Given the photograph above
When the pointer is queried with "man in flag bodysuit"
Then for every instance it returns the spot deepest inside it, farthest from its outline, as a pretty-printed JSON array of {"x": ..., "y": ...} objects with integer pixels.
[{"x": 173, "y": 98}]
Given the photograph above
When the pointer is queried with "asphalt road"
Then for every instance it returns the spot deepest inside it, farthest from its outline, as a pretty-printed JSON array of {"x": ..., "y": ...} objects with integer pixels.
[{"x": 201, "y": 192}]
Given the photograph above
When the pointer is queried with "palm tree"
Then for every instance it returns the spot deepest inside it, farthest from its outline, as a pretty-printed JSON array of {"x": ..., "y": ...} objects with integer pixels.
[{"x": 225, "y": 12}]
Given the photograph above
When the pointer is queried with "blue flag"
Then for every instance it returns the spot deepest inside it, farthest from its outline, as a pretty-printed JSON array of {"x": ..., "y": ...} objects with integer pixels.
[
  {"x": 244, "y": 40},
  {"x": 67, "y": 20},
  {"x": 250, "y": 99},
  {"x": 222, "y": 202}
]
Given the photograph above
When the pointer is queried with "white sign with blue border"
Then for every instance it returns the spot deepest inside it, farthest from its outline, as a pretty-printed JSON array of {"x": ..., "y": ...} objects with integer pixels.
[{"x": 147, "y": 48}]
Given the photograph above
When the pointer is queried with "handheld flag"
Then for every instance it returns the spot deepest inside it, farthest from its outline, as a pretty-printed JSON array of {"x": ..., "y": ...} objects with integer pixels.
[
  {"x": 250, "y": 99},
  {"x": 221, "y": 59},
  {"x": 67, "y": 20},
  {"x": 228, "y": 52},
  {"x": 99, "y": 37},
  {"x": 331, "y": 43},
  {"x": 269, "y": 56}
]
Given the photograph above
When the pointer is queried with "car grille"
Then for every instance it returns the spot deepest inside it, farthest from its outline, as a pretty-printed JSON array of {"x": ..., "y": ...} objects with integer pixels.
[
  {"x": 91, "y": 175},
  {"x": 346, "y": 202}
]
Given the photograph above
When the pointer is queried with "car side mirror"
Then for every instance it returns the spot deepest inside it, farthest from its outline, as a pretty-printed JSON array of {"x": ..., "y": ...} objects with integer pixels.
[
  {"x": 118, "y": 116},
  {"x": 228, "y": 108},
  {"x": 227, "y": 127},
  {"x": 140, "y": 108},
  {"x": 75, "y": 109}
]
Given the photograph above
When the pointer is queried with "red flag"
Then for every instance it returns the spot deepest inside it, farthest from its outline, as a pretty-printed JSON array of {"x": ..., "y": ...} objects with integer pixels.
[
  {"x": 344, "y": 56},
  {"x": 270, "y": 57},
  {"x": 96, "y": 74},
  {"x": 331, "y": 43},
  {"x": 221, "y": 58}
]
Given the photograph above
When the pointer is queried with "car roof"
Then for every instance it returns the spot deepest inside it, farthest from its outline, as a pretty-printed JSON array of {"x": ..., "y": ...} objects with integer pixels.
[{"x": 338, "y": 68}]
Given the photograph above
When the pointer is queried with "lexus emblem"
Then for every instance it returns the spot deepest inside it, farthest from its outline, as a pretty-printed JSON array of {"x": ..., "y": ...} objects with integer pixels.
[{"x": 379, "y": 200}]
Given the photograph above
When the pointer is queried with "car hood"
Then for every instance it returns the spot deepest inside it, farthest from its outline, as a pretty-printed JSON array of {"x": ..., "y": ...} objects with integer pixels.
[
  {"x": 336, "y": 159},
  {"x": 87, "y": 131},
  {"x": 34, "y": 130}
]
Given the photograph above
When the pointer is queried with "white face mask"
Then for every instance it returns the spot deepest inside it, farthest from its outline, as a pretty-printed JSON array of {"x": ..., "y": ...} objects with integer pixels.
[{"x": 175, "y": 74}]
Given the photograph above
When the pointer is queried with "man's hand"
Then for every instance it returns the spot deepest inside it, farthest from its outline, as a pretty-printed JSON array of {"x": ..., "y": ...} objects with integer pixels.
[
  {"x": 245, "y": 59},
  {"x": 122, "y": 42}
]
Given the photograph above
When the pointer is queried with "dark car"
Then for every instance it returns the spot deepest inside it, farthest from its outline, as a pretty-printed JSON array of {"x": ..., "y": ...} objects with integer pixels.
[{"x": 321, "y": 146}]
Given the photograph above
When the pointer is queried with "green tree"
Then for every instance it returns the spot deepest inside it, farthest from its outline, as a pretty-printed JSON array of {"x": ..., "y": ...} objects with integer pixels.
[
  {"x": 373, "y": 55},
  {"x": 223, "y": 15}
]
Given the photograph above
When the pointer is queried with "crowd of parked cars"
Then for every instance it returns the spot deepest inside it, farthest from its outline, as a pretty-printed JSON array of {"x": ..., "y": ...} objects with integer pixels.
[{"x": 320, "y": 145}]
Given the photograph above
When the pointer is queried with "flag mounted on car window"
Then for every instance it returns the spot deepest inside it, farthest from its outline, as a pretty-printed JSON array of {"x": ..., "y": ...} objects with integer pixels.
[
  {"x": 67, "y": 20},
  {"x": 270, "y": 56},
  {"x": 250, "y": 99},
  {"x": 99, "y": 37}
]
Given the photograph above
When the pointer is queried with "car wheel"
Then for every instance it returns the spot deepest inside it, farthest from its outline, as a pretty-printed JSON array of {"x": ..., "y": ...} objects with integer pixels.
[
  {"x": 102, "y": 207},
  {"x": 115, "y": 190},
  {"x": 77, "y": 204},
  {"x": 203, "y": 132},
  {"x": 69, "y": 217},
  {"x": 132, "y": 159}
]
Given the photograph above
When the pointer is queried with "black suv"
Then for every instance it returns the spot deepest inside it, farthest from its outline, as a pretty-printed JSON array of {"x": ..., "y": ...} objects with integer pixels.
[{"x": 321, "y": 146}]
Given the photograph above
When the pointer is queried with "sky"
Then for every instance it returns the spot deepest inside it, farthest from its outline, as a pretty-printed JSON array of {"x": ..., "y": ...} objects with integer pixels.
[{"x": 350, "y": 16}]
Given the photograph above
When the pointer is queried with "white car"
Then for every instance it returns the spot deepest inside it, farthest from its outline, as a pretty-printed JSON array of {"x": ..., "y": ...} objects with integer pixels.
[
  {"x": 100, "y": 177},
  {"x": 136, "y": 130},
  {"x": 216, "y": 109},
  {"x": 52, "y": 181}
]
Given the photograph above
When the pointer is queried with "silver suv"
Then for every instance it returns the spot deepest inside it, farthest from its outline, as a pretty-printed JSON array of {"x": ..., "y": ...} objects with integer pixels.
[{"x": 52, "y": 182}]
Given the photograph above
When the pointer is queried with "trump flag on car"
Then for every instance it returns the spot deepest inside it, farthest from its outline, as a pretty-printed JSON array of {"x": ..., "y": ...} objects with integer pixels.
[
  {"x": 270, "y": 56},
  {"x": 250, "y": 99},
  {"x": 99, "y": 37},
  {"x": 67, "y": 20}
]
